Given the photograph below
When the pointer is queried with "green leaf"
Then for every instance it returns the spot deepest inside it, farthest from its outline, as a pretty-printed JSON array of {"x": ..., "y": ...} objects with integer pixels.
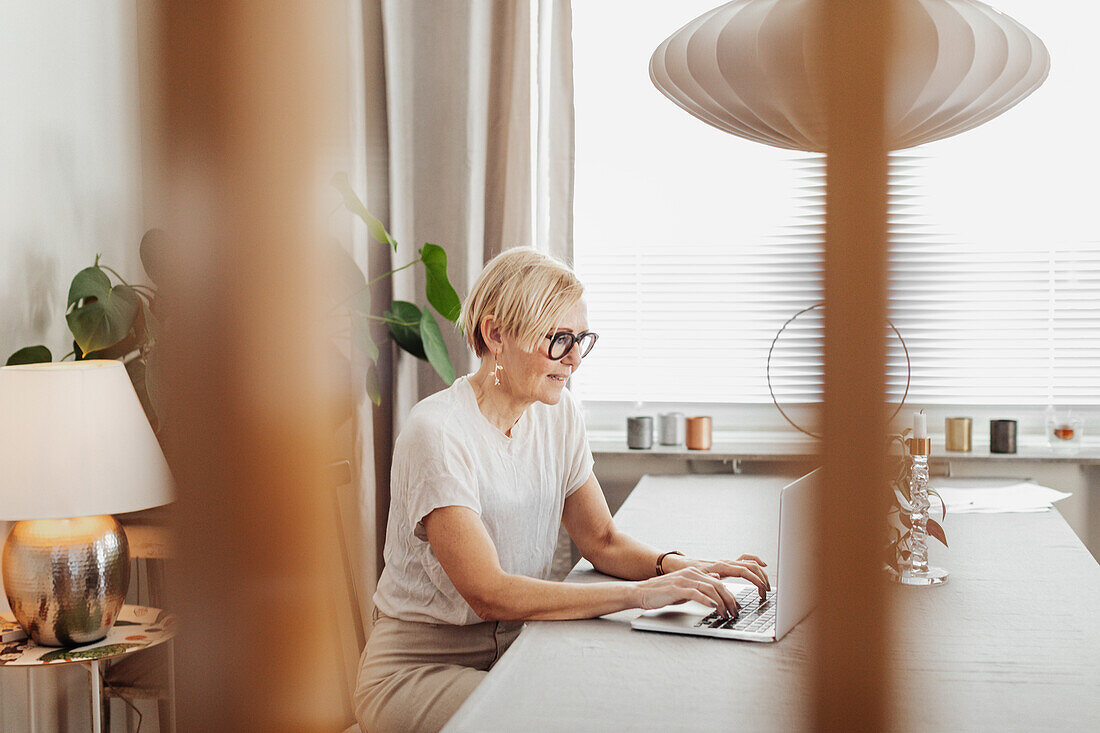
[
  {"x": 407, "y": 337},
  {"x": 374, "y": 390},
  {"x": 435, "y": 347},
  {"x": 100, "y": 315},
  {"x": 154, "y": 389},
  {"x": 936, "y": 531},
  {"x": 138, "y": 371},
  {"x": 89, "y": 282},
  {"x": 30, "y": 355},
  {"x": 943, "y": 503},
  {"x": 361, "y": 303},
  {"x": 902, "y": 501},
  {"x": 96, "y": 652},
  {"x": 78, "y": 355},
  {"x": 440, "y": 293},
  {"x": 361, "y": 336},
  {"x": 342, "y": 406},
  {"x": 355, "y": 205},
  {"x": 152, "y": 326},
  {"x": 349, "y": 278},
  {"x": 133, "y": 341},
  {"x": 152, "y": 253}
]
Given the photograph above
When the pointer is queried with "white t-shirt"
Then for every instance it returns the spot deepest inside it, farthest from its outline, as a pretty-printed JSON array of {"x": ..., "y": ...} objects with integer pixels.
[{"x": 449, "y": 454}]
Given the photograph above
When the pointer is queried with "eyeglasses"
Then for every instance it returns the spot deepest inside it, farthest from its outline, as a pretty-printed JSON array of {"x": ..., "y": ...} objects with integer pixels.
[{"x": 562, "y": 343}]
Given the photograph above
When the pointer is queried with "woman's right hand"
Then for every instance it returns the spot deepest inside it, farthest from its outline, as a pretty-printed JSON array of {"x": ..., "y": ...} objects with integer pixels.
[{"x": 689, "y": 584}]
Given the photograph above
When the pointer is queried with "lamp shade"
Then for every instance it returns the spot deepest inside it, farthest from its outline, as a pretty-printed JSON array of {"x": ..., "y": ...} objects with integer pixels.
[
  {"x": 75, "y": 442},
  {"x": 747, "y": 67}
]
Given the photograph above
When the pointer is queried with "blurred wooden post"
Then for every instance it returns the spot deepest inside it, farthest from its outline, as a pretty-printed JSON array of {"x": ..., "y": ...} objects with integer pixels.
[
  {"x": 852, "y": 634},
  {"x": 246, "y": 90}
]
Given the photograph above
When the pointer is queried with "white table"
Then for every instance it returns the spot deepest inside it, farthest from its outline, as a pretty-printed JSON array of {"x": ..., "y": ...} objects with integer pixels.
[
  {"x": 1012, "y": 642},
  {"x": 137, "y": 628}
]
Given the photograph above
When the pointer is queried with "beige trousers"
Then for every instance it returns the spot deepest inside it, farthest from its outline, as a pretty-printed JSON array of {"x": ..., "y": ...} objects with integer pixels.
[{"x": 414, "y": 676}]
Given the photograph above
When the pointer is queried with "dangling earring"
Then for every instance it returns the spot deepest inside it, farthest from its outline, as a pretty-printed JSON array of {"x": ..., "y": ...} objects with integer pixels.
[{"x": 496, "y": 375}]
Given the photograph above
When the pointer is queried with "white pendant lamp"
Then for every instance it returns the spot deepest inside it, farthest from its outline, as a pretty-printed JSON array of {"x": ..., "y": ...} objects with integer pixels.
[{"x": 747, "y": 68}]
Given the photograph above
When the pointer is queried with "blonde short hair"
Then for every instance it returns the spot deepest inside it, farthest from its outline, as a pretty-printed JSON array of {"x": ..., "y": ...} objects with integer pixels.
[{"x": 527, "y": 291}]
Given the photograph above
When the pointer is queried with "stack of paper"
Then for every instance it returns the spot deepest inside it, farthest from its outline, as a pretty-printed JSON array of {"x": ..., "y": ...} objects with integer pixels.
[
  {"x": 10, "y": 630},
  {"x": 971, "y": 496}
]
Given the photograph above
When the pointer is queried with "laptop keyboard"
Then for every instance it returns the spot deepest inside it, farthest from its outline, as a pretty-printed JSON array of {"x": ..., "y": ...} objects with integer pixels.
[{"x": 754, "y": 615}]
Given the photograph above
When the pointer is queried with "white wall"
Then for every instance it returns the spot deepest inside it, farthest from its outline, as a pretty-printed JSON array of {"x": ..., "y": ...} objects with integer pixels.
[
  {"x": 70, "y": 188},
  {"x": 69, "y": 149}
]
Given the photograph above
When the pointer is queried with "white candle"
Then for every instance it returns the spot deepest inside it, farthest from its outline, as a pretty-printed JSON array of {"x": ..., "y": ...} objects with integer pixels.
[{"x": 920, "y": 425}]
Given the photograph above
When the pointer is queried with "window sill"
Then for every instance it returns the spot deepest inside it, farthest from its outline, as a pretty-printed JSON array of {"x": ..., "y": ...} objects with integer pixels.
[{"x": 779, "y": 446}]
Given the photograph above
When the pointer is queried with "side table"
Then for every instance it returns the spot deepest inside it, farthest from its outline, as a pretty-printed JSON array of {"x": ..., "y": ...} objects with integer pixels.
[{"x": 137, "y": 628}]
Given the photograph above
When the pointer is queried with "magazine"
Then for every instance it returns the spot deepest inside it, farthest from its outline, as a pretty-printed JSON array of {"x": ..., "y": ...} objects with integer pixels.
[{"x": 10, "y": 630}]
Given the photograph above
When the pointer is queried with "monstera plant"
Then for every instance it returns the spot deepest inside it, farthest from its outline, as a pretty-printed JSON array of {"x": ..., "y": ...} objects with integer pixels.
[
  {"x": 114, "y": 320},
  {"x": 110, "y": 318},
  {"x": 414, "y": 329}
]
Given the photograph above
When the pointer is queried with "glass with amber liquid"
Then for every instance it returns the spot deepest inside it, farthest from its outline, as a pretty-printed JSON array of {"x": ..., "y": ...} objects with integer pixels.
[{"x": 1064, "y": 431}]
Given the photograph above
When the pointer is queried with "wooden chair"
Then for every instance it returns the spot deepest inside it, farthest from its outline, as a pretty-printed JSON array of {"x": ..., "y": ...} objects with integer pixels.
[{"x": 349, "y": 612}]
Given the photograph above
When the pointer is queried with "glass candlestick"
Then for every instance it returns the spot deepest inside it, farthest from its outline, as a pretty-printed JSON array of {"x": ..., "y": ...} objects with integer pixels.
[{"x": 916, "y": 570}]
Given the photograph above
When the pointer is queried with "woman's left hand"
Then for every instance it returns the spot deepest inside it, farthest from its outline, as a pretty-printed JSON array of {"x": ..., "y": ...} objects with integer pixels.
[{"x": 749, "y": 567}]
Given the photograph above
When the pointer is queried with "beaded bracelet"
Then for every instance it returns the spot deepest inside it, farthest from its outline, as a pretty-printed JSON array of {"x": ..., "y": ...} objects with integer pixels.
[{"x": 661, "y": 559}]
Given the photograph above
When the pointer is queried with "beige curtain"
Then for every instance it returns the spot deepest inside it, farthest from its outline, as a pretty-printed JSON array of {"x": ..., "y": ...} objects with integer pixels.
[
  {"x": 374, "y": 437},
  {"x": 449, "y": 150},
  {"x": 554, "y": 167},
  {"x": 457, "y": 86}
]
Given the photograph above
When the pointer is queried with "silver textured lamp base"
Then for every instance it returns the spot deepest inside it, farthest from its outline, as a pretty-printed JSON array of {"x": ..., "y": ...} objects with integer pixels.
[{"x": 66, "y": 579}]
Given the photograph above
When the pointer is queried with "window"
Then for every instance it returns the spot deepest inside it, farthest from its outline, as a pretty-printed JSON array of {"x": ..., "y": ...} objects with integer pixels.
[{"x": 696, "y": 246}]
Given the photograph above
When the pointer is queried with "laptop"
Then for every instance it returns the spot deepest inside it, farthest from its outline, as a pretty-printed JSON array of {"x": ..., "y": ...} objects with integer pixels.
[{"x": 772, "y": 618}]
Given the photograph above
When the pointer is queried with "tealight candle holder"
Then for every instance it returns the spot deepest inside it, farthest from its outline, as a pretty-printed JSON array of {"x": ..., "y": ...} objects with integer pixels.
[
  {"x": 639, "y": 432},
  {"x": 672, "y": 427},
  {"x": 957, "y": 434},
  {"x": 699, "y": 433},
  {"x": 1002, "y": 436}
]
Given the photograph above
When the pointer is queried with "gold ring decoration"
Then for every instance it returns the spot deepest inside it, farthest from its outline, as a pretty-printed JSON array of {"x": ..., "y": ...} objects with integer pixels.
[{"x": 908, "y": 369}]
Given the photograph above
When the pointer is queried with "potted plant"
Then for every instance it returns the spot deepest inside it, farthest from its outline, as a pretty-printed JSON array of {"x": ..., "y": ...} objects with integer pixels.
[{"x": 110, "y": 318}]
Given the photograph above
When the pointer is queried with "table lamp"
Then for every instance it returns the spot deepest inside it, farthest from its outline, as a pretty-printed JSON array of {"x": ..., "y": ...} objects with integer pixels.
[{"x": 75, "y": 448}]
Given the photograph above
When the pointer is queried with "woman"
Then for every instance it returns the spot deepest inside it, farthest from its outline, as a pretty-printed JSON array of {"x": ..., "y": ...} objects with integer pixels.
[{"x": 484, "y": 473}]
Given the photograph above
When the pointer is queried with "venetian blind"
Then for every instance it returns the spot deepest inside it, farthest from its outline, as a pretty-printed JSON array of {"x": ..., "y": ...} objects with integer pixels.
[{"x": 696, "y": 247}]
